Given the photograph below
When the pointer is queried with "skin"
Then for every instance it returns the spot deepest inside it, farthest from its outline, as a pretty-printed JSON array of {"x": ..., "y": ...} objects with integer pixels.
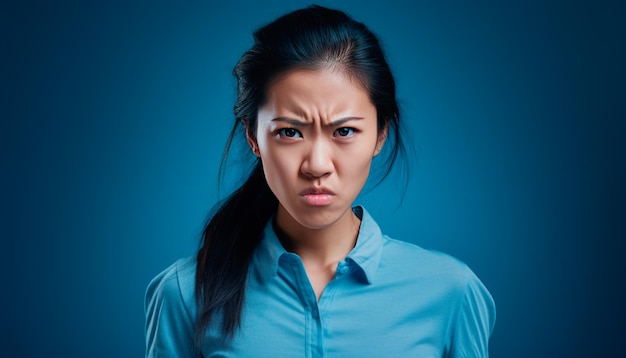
[{"x": 316, "y": 135}]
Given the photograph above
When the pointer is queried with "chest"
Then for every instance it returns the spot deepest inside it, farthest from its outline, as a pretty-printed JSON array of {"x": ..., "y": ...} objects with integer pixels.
[{"x": 282, "y": 317}]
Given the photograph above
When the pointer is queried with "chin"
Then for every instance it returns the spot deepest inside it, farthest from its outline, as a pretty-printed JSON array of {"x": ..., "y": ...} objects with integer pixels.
[{"x": 317, "y": 218}]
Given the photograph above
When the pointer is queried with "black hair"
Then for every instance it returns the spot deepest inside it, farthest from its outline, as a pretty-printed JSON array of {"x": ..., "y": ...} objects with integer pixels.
[{"x": 311, "y": 38}]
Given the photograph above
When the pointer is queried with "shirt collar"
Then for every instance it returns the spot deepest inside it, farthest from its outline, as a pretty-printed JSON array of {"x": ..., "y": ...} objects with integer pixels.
[
  {"x": 365, "y": 255},
  {"x": 369, "y": 244}
]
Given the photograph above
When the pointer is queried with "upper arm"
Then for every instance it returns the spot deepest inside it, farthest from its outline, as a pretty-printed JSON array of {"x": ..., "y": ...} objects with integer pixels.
[
  {"x": 169, "y": 326},
  {"x": 475, "y": 322}
]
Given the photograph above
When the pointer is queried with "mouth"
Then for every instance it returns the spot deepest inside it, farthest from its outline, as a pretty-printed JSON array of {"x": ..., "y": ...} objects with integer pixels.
[
  {"x": 317, "y": 191},
  {"x": 317, "y": 196}
]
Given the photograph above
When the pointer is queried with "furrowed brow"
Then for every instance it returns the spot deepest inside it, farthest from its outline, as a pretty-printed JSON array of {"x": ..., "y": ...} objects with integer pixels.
[
  {"x": 298, "y": 123},
  {"x": 344, "y": 120},
  {"x": 293, "y": 122}
]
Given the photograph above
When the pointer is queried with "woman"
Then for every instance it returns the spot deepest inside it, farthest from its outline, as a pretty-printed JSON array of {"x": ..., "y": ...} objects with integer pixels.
[{"x": 288, "y": 267}]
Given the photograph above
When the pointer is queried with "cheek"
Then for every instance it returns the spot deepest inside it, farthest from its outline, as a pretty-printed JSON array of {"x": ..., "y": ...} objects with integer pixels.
[
  {"x": 359, "y": 157},
  {"x": 279, "y": 167},
  {"x": 359, "y": 168},
  {"x": 355, "y": 166}
]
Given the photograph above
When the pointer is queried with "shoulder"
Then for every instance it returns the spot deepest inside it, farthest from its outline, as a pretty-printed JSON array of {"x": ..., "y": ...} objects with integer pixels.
[
  {"x": 176, "y": 283},
  {"x": 405, "y": 263},
  {"x": 410, "y": 257},
  {"x": 444, "y": 275}
]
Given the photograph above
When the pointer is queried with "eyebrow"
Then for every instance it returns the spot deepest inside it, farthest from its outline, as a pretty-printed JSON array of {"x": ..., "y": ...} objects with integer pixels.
[{"x": 299, "y": 123}]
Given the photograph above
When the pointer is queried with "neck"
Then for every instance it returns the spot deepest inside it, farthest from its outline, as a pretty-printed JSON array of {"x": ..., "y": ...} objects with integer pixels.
[{"x": 318, "y": 246}]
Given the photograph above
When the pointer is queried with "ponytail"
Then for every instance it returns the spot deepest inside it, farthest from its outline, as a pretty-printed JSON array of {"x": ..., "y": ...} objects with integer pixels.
[{"x": 228, "y": 242}]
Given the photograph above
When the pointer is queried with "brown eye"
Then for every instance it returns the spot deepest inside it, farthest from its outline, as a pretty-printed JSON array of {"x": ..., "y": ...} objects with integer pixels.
[
  {"x": 289, "y": 133},
  {"x": 345, "y": 131}
]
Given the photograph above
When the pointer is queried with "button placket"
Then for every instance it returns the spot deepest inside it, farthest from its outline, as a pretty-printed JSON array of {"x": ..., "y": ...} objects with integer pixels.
[{"x": 312, "y": 320}]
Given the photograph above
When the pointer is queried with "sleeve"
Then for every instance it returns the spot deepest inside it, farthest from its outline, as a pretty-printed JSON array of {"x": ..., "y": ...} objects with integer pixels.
[
  {"x": 169, "y": 326},
  {"x": 475, "y": 322}
]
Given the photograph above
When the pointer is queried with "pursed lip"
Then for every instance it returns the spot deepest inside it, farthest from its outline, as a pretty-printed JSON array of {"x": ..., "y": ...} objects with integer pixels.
[
  {"x": 317, "y": 191},
  {"x": 317, "y": 197}
]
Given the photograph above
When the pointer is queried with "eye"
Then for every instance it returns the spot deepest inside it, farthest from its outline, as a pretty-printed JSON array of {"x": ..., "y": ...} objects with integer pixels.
[
  {"x": 345, "y": 132},
  {"x": 289, "y": 133}
]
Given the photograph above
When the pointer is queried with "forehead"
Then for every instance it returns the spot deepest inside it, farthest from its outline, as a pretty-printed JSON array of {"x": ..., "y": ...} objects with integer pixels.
[{"x": 317, "y": 93}]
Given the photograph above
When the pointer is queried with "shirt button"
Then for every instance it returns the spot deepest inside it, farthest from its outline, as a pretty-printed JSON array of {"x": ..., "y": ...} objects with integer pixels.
[
  {"x": 315, "y": 313},
  {"x": 343, "y": 269}
]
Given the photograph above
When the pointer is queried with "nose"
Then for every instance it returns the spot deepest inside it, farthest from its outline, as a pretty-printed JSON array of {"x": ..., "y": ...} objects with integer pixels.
[{"x": 318, "y": 161}]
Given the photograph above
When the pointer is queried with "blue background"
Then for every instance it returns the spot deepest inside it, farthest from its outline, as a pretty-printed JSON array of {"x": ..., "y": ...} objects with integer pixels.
[{"x": 114, "y": 116}]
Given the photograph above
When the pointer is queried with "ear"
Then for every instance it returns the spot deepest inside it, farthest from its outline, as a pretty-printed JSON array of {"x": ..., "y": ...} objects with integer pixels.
[
  {"x": 251, "y": 140},
  {"x": 380, "y": 142}
]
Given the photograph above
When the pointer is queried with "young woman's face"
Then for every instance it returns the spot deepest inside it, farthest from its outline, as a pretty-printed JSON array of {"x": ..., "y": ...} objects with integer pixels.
[{"x": 316, "y": 137}]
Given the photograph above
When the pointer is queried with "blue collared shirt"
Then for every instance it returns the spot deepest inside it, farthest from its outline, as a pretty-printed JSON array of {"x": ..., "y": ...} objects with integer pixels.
[{"x": 389, "y": 298}]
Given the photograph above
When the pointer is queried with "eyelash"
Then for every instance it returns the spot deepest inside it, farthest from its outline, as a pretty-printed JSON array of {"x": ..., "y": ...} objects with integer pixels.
[
  {"x": 351, "y": 130},
  {"x": 283, "y": 133},
  {"x": 296, "y": 133}
]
